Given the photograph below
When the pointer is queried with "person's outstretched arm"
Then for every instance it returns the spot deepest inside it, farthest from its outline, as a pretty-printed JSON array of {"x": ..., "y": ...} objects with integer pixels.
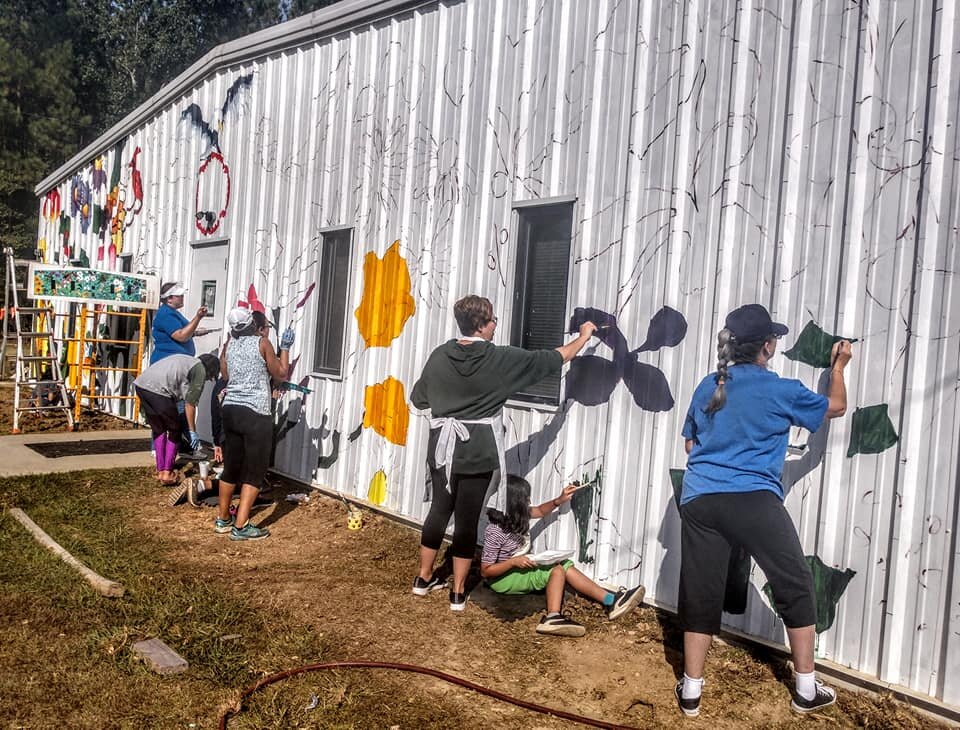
[
  {"x": 837, "y": 393},
  {"x": 570, "y": 350}
]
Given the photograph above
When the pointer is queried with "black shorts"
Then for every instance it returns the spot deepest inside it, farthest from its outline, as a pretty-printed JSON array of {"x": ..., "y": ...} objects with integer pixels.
[
  {"x": 758, "y": 522},
  {"x": 247, "y": 441}
]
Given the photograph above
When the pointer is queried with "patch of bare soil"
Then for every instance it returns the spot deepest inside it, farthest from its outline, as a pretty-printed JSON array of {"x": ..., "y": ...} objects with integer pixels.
[
  {"x": 353, "y": 589},
  {"x": 53, "y": 421}
]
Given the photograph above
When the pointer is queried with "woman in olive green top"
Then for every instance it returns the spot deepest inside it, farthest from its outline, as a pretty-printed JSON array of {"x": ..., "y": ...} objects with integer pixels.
[{"x": 464, "y": 384}]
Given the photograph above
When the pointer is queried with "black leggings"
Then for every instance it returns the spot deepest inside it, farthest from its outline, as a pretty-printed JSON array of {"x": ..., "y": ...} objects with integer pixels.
[
  {"x": 247, "y": 441},
  {"x": 759, "y": 522},
  {"x": 161, "y": 413},
  {"x": 465, "y": 502}
]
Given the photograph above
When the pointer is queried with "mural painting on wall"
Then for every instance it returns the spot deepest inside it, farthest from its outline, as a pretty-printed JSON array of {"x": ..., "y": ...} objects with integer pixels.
[
  {"x": 385, "y": 410},
  {"x": 108, "y": 209},
  {"x": 592, "y": 379},
  {"x": 582, "y": 505},
  {"x": 828, "y": 586},
  {"x": 387, "y": 303},
  {"x": 212, "y": 194},
  {"x": 377, "y": 491}
]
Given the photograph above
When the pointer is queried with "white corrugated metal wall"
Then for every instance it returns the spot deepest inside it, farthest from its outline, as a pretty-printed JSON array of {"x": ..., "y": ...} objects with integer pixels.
[{"x": 800, "y": 154}]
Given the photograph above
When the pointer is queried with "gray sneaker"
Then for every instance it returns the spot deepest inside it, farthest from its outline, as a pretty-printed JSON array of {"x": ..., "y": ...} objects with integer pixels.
[{"x": 248, "y": 532}]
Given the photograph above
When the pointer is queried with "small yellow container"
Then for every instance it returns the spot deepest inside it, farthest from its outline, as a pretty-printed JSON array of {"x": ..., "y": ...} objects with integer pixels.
[{"x": 354, "y": 519}]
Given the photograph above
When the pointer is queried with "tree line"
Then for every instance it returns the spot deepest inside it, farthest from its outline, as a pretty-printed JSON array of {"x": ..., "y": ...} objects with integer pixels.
[{"x": 70, "y": 69}]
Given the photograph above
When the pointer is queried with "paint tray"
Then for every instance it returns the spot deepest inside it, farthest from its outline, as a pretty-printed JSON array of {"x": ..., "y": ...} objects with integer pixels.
[{"x": 549, "y": 557}]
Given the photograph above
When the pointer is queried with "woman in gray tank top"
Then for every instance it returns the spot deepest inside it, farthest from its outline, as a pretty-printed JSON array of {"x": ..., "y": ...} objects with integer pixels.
[{"x": 249, "y": 364}]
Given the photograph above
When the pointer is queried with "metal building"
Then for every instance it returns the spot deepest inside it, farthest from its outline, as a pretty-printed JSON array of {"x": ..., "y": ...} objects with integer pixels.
[{"x": 361, "y": 168}]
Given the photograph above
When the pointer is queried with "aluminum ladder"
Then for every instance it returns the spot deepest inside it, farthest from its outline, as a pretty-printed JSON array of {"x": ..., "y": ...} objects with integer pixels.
[{"x": 35, "y": 366}]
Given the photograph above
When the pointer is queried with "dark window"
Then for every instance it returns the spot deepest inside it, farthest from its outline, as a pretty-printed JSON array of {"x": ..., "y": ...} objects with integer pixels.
[
  {"x": 540, "y": 291},
  {"x": 332, "y": 301}
]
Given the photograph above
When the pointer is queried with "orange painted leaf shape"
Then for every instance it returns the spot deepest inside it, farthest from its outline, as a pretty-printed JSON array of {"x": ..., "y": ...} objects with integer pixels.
[
  {"x": 386, "y": 410},
  {"x": 386, "y": 304}
]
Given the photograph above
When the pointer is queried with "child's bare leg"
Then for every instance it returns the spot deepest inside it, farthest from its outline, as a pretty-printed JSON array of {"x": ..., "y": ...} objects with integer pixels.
[
  {"x": 584, "y": 585},
  {"x": 555, "y": 589}
]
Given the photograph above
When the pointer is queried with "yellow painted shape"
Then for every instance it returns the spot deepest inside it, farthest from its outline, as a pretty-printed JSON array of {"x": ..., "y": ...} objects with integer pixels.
[
  {"x": 386, "y": 410},
  {"x": 377, "y": 492},
  {"x": 386, "y": 304}
]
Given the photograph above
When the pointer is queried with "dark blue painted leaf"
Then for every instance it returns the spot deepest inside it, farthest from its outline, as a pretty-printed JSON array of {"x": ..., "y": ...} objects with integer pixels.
[
  {"x": 667, "y": 328},
  {"x": 591, "y": 380},
  {"x": 648, "y": 386},
  {"x": 608, "y": 332}
]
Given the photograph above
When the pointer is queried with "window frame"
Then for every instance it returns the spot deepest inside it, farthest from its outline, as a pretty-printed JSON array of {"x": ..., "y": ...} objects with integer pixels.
[
  {"x": 519, "y": 297},
  {"x": 326, "y": 234}
]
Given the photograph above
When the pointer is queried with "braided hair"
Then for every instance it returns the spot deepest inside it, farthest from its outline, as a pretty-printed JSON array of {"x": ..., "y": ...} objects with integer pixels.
[{"x": 730, "y": 352}]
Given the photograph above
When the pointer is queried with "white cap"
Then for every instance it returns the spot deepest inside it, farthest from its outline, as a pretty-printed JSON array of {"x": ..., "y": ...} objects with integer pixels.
[
  {"x": 177, "y": 290},
  {"x": 238, "y": 318}
]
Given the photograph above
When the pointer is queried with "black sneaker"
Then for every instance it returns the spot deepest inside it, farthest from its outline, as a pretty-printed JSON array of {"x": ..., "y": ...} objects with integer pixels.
[
  {"x": 690, "y": 708},
  {"x": 422, "y": 587},
  {"x": 625, "y": 601},
  {"x": 560, "y": 625},
  {"x": 824, "y": 697},
  {"x": 458, "y": 601}
]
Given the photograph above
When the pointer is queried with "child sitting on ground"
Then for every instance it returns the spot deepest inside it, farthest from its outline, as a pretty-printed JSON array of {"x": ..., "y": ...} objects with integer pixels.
[{"x": 511, "y": 573}]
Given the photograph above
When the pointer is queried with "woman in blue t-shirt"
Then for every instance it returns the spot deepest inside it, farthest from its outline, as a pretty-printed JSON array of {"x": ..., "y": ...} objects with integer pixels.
[
  {"x": 172, "y": 332},
  {"x": 735, "y": 435}
]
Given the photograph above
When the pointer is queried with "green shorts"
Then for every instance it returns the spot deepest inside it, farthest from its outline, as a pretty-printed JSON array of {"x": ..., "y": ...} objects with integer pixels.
[{"x": 526, "y": 580}]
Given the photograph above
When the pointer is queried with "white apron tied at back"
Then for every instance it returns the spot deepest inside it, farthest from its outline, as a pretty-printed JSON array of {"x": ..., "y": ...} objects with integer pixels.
[{"x": 453, "y": 430}]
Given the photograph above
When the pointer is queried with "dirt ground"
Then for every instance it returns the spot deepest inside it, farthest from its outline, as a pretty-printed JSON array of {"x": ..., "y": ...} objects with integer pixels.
[
  {"x": 52, "y": 421},
  {"x": 353, "y": 587},
  {"x": 341, "y": 595}
]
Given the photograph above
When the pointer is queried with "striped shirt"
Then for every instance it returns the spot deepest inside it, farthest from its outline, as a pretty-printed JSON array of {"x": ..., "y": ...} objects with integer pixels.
[{"x": 499, "y": 545}]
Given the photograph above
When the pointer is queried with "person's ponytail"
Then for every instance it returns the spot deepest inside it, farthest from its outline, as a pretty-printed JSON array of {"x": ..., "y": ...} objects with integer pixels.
[{"x": 725, "y": 354}]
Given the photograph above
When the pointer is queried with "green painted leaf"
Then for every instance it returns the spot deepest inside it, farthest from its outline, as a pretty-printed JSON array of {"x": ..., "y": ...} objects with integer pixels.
[
  {"x": 828, "y": 587},
  {"x": 676, "y": 479},
  {"x": 871, "y": 431},
  {"x": 813, "y": 346},
  {"x": 582, "y": 507},
  {"x": 738, "y": 581}
]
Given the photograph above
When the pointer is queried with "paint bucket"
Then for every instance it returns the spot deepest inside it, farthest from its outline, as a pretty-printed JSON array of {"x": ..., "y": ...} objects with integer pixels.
[{"x": 354, "y": 519}]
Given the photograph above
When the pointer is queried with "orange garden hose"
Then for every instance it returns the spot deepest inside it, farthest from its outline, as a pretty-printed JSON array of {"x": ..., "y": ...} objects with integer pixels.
[{"x": 417, "y": 670}]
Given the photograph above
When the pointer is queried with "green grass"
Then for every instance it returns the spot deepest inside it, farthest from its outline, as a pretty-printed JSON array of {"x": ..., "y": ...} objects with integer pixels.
[{"x": 66, "y": 658}]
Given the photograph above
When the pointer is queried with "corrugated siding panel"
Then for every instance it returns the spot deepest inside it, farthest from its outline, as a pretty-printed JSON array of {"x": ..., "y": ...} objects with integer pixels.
[{"x": 803, "y": 155}]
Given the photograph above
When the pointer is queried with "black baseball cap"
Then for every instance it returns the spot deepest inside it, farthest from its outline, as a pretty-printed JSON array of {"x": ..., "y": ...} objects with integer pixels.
[{"x": 752, "y": 323}]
